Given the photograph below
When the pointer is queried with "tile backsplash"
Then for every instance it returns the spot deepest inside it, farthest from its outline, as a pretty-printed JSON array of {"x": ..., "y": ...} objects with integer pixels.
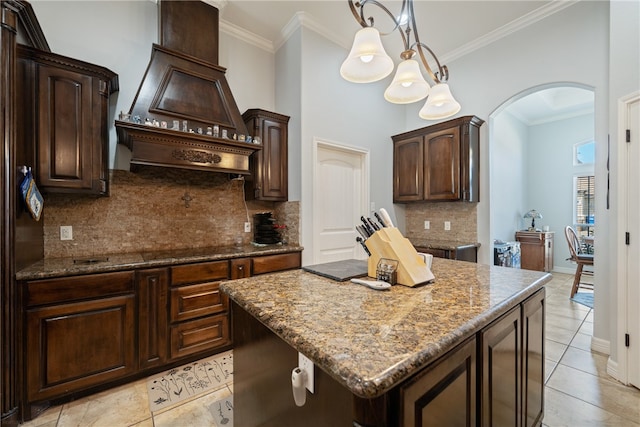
[
  {"x": 461, "y": 215},
  {"x": 158, "y": 209}
]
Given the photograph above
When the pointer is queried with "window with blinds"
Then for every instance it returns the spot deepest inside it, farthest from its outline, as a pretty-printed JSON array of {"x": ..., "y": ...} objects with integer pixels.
[{"x": 585, "y": 204}]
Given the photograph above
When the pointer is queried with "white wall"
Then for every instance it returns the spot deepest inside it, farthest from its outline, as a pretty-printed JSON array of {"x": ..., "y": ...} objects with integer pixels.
[
  {"x": 508, "y": 172},
  {"x": 250, "y": 73},
  {"x": 288, "y": 101}
]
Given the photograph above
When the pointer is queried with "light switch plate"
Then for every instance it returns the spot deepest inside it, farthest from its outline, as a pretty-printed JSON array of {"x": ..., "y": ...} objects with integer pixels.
[
  {"x": 247, "y": 227},
  {"x": 427, "y": 225},
  {"x": 305, "y": 364},
  {"x": 447, "y": 225},
  {"x": 66, "y": 232}
]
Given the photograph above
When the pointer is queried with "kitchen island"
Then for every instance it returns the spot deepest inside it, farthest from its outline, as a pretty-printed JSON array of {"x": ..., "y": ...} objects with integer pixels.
[{"x": 467, "y": 347}]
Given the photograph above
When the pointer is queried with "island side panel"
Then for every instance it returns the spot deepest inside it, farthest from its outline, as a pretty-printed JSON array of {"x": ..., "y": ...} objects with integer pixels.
[{"x": 262, "y": 382}]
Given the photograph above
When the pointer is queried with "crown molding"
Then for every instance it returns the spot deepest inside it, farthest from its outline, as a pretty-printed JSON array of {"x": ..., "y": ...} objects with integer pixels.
[
  {"x": 246, "y": 36},
  {"x": 513, "y": 26},
  {"x": 218, "y": 4},
  {"x": 303, "y": 19}
]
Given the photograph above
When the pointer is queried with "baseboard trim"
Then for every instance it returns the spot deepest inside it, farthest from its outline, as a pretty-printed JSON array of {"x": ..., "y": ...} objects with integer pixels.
[
  {"x": 612, "y": 369},
  {"x": 601, "y": 346}
]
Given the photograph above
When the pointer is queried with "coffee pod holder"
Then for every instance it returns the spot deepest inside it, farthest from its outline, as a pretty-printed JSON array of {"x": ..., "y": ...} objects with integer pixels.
[{"x": 389, "y": 244}]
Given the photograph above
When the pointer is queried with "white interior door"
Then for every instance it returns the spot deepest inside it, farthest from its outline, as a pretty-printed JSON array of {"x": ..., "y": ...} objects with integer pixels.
[
  {"x": 341, "y": 196},
  {"x": 633, "y": 249}
]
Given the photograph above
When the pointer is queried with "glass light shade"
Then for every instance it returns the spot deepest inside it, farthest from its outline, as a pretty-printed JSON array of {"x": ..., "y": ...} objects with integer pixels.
[
  {"x": 367, "y": 62},
  {"x": 408, "y": 85},
  {"x": 440, "y": 103}
]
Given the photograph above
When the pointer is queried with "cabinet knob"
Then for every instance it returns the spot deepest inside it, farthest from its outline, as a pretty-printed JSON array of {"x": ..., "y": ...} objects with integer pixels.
[{"x": 241, "y": 267}]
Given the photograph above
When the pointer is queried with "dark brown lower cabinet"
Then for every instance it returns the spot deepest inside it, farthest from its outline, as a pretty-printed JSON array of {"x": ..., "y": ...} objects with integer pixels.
[
  {"x": 152, "y": 317},
  {"x": 460, "y": 253},
  {"x": 533, "y": 314},
  {"x": 512, "y": 352},
  {"x": 494, "y": 378},
  {"x": 79, "y": 345},
  {"x": 502, "y": 371},
  {"x": 444, "y": 394},
  {"x": 86, "y": 333}
]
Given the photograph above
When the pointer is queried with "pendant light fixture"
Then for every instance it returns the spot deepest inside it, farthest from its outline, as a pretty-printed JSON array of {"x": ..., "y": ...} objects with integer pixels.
[{"x": 368, "y": 62}]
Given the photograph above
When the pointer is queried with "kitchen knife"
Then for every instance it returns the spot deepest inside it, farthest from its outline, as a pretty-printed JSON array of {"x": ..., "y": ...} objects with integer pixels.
[
  {"x": 386, "y": 218},
  {"x": 362, "y": 232},
  {"x": 380, "y": 220},
  {"x": 359, "y": 240},
  {"x": 367, "y": 227},
  {"x": 373, "y": 224}
]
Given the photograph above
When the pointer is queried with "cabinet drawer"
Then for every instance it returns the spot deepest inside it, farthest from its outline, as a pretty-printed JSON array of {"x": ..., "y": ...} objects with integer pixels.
[
  {"x": 525, "y": 237},
  {"x": 199, "y": 335},
  {"x": 193, "y": 273},
  {"x": 189, "y": 302},
  {"x": 240, "y": 268},
  {"x": 271, "y": 263},
  {"x": 76, "y": 288}
]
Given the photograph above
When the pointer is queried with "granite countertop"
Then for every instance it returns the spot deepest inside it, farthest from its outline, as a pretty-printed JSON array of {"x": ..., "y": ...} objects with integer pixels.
[
  {"x": 449, "y": 245},
  {"x": 58, "y": 267},
  {"x": 370, "y": 341}
]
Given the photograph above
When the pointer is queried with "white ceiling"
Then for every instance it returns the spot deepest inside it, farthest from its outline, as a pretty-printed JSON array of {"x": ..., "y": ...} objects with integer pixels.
[{"x": 450, "y": 28}]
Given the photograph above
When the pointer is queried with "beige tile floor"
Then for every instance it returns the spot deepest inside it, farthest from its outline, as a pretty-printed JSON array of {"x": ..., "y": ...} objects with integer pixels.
[{"x": 578, "y": 392}]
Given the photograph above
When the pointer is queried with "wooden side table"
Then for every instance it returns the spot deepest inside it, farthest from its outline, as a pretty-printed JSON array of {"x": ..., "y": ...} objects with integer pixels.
[{"x": 536, "y": 250}]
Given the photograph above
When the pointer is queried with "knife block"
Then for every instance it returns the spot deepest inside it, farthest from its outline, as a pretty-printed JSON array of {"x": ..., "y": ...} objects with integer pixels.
[{"x": 389, "y": 243}]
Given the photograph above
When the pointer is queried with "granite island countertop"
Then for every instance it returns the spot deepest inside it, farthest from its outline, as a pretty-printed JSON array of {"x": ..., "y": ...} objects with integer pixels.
[
  {"x": 70, "y": 266},
  {"x": 370, "y": 341}
]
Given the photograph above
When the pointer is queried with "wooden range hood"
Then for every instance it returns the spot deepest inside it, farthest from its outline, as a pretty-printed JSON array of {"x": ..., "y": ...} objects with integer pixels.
[{"x": 183, "y": 82}]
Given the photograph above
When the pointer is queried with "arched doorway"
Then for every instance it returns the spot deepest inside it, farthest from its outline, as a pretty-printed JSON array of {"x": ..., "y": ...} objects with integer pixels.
[{"x": 532, "y": 150}]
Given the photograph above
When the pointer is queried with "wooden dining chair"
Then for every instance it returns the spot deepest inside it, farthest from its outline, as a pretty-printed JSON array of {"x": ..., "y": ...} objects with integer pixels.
[{"x": 581, "y": 259}]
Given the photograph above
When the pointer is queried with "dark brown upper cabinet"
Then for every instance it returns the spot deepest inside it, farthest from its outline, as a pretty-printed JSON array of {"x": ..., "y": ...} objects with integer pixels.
[
  {"x": 438, "y": 163},
  {"x": 68, "y": 101},
  {"x": 269, "y": 170}
]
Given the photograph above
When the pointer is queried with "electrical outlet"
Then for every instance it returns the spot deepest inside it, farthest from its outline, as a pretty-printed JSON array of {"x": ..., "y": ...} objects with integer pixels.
[
  {"x": 247, "y": 227},
  {"x": 427, "y": 225},
  {"x": 66, "y": 232},
  {"x": 306, "y": 365},
  {"x": 447, "y": 225}
]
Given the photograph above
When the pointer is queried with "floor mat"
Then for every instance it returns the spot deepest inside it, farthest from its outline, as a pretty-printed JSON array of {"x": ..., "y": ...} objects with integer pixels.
[
  {"x": 186, "y": 382},
  {"x": 584, "y": 298}
]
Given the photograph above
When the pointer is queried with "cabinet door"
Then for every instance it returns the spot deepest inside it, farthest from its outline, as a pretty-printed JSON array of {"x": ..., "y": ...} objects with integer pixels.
[
  {"x": 445, "y": 394},
  {"x": 408, "y": 173},
  {"x": 533, "y": 251},
  {"x": 442, "y": 165},
  {"x": 152, "y": 317},
  {"x": 64, "y": 100},
  {"x": 272, "y": 169},
  {"x": 269, "y": 167},
  {"x": 71, "y": 347},
  {"x": 501, "y": 372},
  {"x": 533, "y": 315}
]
